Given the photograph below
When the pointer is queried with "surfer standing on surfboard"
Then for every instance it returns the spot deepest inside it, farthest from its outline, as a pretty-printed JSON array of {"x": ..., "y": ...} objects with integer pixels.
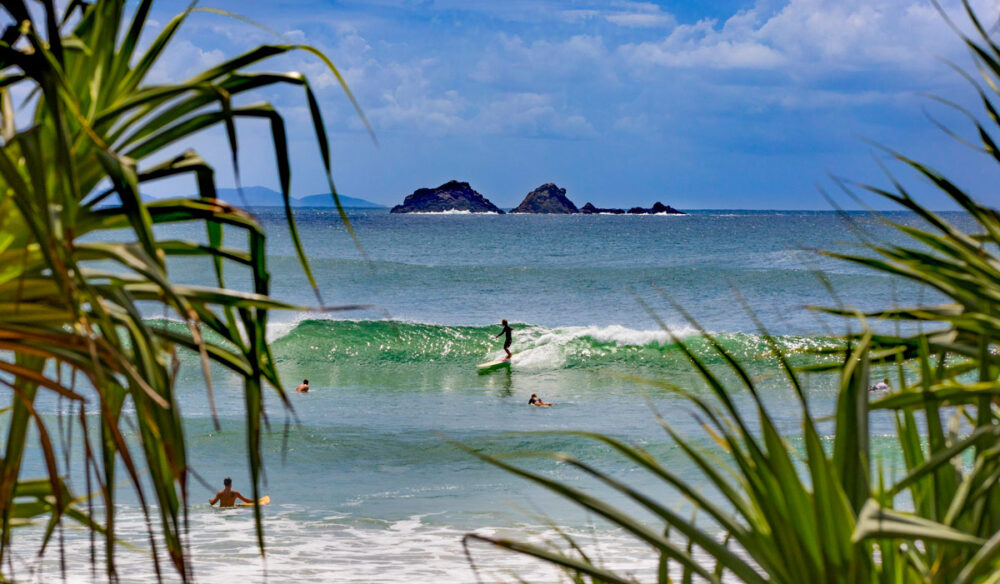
[
  {"x": 227, "y": 496},
  {"x": 506, "y": 342}
]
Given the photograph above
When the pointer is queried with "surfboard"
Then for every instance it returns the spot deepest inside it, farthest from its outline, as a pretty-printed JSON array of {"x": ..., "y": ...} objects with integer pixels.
[
  {"x": 265, "y": 500},
  {"x": 493, "y": 365}
]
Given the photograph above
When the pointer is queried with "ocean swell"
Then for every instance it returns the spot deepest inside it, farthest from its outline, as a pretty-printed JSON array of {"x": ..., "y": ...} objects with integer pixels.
[{"x": 385, "y": 343}]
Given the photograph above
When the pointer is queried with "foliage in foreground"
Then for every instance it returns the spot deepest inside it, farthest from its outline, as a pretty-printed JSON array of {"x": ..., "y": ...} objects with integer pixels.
[
  {"x": 828, "y": 516},
  {"x": 79, "y": 256}
]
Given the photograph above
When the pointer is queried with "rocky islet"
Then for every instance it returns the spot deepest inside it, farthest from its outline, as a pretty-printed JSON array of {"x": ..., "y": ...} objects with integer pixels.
[
  {"x": 590, "y": 209},
  {"x": 548, "y": 199},
  {"x": 451, "y": 196},
  {"x": 658, "y": 208},
  {"x": 456, "y": 196}
]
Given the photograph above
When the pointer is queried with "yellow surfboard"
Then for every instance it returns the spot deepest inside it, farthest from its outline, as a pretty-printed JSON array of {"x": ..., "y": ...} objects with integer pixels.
[
  {"x": 493, "y": 365},
  {"x": 265, "y": 500}
]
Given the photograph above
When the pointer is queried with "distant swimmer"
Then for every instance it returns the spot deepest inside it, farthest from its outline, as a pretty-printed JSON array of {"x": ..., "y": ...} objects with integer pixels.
[
  {"x": 537, "y": 401},
  {"x": 880, "y": 386},
  {"x": 506, "y": 341},
  {"x": 227, "y": 496},
  {"x": 303, "y": 387}
]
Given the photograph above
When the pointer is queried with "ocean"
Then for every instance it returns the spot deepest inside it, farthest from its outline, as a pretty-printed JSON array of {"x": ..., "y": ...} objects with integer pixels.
[{"x": 371, "y": 485}]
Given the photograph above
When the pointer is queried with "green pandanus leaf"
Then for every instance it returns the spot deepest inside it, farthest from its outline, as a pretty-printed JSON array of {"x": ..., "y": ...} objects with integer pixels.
[
  {"x": 79, "y": 170},
  {"x": 17, "y": 430}
]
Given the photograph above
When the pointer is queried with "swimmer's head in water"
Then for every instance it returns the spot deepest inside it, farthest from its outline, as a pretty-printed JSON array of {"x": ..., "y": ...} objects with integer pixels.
[
  {"x": 534, "y": 395},
  {"x": 227, "y": 481},
  {"x": 306, "y": 381}
]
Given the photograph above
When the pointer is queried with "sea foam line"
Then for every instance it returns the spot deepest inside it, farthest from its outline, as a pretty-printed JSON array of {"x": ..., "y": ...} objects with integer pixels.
[
  {"x": 303, "y": 548},
  {"x": 452, "y": 212},
  {"x": 542, "y": 348}
]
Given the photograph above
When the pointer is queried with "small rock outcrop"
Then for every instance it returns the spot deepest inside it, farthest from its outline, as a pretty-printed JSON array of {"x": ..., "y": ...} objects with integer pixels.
[
  {"x": 451, "y": 196},
  {"x": 658, "y": 208},
  {"x": 547, "y": 198},
  {"x": 590, "y": 209}
]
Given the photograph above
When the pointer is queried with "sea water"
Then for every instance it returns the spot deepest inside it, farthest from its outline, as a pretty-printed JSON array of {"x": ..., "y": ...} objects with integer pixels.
[{"x": 371, "y": 482}]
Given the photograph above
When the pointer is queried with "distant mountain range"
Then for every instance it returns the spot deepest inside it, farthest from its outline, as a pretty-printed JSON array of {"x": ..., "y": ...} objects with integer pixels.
[{"x": 265, "y": 197}]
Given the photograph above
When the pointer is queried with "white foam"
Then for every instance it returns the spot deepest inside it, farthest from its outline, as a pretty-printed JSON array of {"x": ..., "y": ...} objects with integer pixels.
[
  {"x": 306, "y": 548},
  {"x": 453, "y": 212},
  {"x": 542, "y": 348},
  {"x": 627, "y": 214},
  {"x": 617, "y": 334},
  {"x": 278, "y": 329}
]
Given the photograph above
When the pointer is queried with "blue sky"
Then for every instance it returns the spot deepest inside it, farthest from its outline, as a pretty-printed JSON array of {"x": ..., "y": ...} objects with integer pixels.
[{"x": 726, "y": 104}]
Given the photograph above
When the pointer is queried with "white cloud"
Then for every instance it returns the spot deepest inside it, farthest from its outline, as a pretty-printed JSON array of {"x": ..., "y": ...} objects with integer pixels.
[
  {"x": 572, "y": 80},
  {"x": 624, "y": 14},
  {"x": 810, "y": 36},
  {"x": 510, "y": 60},
  {"x": 409, "y": 100},
  {"x": 640, "y": 15},
  {"x": 700, "y": 46},
  {"x": 350, "y": 53},
  {"x": 181, "y": 60},
  {"x": 412, "y": 94},
  {"x": 531, "y": 114},
  {"x": 639, "y": 19},
  {"x": 578, "y": 15},
  {"x": 410, "y": 107}
]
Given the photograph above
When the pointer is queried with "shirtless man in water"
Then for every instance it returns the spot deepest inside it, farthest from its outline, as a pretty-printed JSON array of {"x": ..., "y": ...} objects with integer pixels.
[
  {"x": 227, "y": 497},
  {"x": 303, "y": 387}
]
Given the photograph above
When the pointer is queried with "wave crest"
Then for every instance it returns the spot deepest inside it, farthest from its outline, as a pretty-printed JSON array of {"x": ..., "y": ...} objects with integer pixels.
[{"x": 383, "y": 343}]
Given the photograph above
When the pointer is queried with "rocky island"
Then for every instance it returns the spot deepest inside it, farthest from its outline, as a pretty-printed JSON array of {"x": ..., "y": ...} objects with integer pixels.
[
  {"x": 590, "y": 209},
  {"x": 658, "y": 208},
  {"x": 455, "y": 196},
  {"x": 451, "y": 196},
  {"x": 547, "y": 198}
]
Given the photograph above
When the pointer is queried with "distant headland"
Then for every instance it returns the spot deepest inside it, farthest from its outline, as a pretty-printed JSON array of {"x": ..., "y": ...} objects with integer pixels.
[
  {"x": 454, "y": 196},
  {"x": 265, "y": 197}
]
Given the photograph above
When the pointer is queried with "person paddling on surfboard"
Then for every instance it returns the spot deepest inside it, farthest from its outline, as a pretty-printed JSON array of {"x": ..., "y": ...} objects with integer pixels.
[
  {"x": 537, "y": 401},
  {"x": 880, "y": 386},
  {"x": 227, "y": 496},
  {"x": 506, "y": 342}
]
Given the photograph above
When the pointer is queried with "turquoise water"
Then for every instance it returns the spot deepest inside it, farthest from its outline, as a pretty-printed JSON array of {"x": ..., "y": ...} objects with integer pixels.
[{"x": 369, "y": 485}]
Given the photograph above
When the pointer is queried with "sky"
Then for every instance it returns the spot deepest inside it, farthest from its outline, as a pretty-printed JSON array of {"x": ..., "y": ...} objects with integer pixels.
[{"x": 734, "y": 104}]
